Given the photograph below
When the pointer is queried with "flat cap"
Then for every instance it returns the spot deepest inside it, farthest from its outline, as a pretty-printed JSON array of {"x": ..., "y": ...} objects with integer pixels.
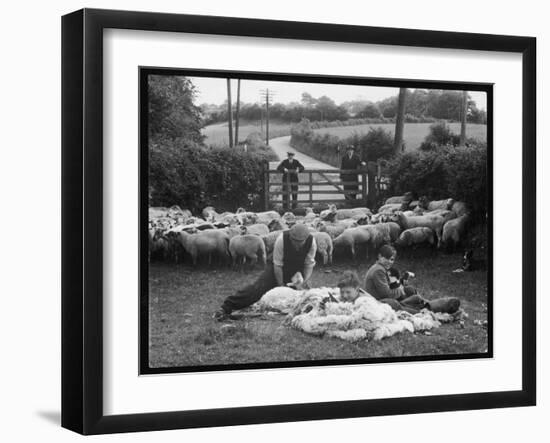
[
  {"x": 290, "y": 153},
  {"x": 299, "y": 232}
]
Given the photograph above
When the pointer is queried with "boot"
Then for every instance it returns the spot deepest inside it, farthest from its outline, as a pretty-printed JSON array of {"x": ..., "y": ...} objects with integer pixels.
[{"x": 448, "y": 305}]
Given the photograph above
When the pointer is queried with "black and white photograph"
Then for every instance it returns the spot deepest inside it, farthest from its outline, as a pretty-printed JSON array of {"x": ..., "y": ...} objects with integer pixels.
[{"x": 292, "y": 221}]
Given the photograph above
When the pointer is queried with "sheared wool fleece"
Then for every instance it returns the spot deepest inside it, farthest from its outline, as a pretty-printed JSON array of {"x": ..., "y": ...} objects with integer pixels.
[{"x": 318, "y": 312}]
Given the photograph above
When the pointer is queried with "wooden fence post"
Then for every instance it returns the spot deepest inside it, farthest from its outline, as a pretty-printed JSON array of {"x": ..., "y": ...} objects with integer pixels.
[
  {"x": 371, "y": 197},
  {"x": 310, "y": 189}
]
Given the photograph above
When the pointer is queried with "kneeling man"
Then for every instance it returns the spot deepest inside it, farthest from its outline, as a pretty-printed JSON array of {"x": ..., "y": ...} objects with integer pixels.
[{"x": 294, "y": 251}]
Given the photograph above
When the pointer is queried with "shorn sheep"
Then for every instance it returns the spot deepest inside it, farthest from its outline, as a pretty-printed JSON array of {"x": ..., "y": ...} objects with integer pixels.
[
  {"x": 248, "y": 246},
  {"x": 453, "y": 231},
  {"x": 352, "y": 237},
  {"x": 324, "y": 246},
  {"x": 257, "y": 229},
  {"x": 415, "y": 237},
  {"x": 434, "y": 222},
  {"x": 205, "y": 243},
  {"x": 440, "y": 204}
]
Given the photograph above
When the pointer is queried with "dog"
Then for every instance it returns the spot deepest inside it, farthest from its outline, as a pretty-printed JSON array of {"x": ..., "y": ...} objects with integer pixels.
[
  {"x": 396, "y": 279},
  {"x": 469, "y": 263}
]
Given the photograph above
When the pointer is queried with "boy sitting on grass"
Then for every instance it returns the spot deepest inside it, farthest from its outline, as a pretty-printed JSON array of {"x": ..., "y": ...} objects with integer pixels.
[{"x": 350, "y": 287}]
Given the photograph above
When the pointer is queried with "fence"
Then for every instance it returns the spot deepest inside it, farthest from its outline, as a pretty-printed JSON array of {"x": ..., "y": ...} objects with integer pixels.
[{"x": 322, "y": 186}]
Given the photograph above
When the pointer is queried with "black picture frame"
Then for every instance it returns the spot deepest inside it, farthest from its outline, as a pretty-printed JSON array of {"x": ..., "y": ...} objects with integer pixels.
[{"x": 82, "y": 221}]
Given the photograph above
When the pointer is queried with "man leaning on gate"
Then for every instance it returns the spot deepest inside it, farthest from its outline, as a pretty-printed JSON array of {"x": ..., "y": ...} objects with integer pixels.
[{"x": 351, "y": 161}]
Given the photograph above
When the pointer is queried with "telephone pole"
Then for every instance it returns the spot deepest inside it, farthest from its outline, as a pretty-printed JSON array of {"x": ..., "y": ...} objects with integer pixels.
[
  {"x": 267, "y": 95},
  {"x": 237, "y": 112},
  {"x": 229, "y": 113}
]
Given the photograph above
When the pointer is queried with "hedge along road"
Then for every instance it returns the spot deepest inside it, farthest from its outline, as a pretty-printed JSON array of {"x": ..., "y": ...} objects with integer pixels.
[{"x": 281, "y": 145}]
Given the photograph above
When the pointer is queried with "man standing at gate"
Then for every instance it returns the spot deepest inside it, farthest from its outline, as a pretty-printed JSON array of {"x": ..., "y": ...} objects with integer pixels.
[
  {"x": 351, "y": 161},
  {"x": 290, "y": 167}
]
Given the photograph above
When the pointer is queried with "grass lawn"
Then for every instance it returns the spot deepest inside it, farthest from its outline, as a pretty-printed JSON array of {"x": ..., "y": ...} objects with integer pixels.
[
  {"x": 414, "y": 132},
  {"x": 218, "y": 134},
  {"x": 183, "y": 333}
]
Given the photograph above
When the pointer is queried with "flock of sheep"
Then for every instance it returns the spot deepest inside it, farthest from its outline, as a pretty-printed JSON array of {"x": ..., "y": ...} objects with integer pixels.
[{"x": 245, "y": 236}]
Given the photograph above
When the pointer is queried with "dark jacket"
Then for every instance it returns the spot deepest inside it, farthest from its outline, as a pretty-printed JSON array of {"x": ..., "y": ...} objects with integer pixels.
[
  {"x": 350, "y": 163},
  {"x": 294, "y": 168}
]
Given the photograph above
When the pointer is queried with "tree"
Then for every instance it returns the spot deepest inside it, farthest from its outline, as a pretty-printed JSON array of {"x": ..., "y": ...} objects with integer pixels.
[
  {"x": 172, "y": 113},
  {"x": 463, "y": 115},
  {"x": 369, "y": 111},
  {"x": 229, "y": 113},
  {"x": 400, "y": 120},
  {"x": 308, "y": 100}
]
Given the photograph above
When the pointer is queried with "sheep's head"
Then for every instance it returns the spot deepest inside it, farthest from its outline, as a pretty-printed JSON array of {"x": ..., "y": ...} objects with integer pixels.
[
  {"x": 243, "y": 229},
  {"x": 450, "y": 203},
  {"x": 240, "y": 210},
  {"x": 275, "y": 225},
  {"x": 404, "y": 239}
]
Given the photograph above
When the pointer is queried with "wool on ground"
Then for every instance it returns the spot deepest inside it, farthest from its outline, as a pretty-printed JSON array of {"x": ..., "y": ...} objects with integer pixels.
[{"x": 318, "y": 312}]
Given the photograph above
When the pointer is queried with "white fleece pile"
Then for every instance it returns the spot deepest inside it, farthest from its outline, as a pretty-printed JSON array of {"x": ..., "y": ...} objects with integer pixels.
[{"x": 317, "y": 312}]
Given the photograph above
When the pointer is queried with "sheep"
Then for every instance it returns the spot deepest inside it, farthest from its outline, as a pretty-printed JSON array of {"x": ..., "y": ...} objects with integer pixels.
[
  {"x": 334, "y": 214},
  {"x": 232, "y": 231},
  {"x": 289, "y": 218},
  {"x": 270, "y": 239},
  {"x": 310, "y": 215},
  {"x": 379, "y": 234},
  {"x": 434, "y": 222},
  {"x": 405, "y": 198},
  {"x": 209, "y": 242},
  {"x": 394, "y": 230},
  {"x": 453, "y": 231},
  {"x": 324, "y": 246},
  {"x": 332, "y": 229},
  {"x": 277, "y": 225},
  {"x": 440, "y": 204},
  {"x": 416, "y": 236},
  {"x": 390, "y": 208},
  {"x": 353, "y": 213},
  {"x": 351, "y": 238},
  {"x": 459, "y": 208},
  {"x": 266, "y": 217},
  {"x": 257, "y": 229},
  {"x": 209, "y": 213},
  {"x": 248, "y": 246}
]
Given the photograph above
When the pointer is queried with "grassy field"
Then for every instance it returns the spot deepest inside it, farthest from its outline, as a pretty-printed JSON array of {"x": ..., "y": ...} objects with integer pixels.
[
  {"x": 183, "y": 333},
  {"x": 414, "y": 132},
  {"x": 218, "y": 134}
]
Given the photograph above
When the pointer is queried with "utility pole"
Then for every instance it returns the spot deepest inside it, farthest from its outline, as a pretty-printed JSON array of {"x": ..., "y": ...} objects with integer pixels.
[
  {"x": 400, "y": 121},
  {"x": 463, "y": 116},
  {"x": 229, "y": 113},
  {"x": 267, "y": 95},
  {"x": 237, "y": 112}
]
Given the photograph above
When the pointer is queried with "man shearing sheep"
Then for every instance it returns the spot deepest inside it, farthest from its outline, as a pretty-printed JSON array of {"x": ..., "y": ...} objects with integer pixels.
[{"x": 294, "y": 251}]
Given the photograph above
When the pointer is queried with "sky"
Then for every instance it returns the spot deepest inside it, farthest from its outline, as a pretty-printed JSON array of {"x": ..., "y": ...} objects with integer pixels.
[{"x": 214, "y": 91}]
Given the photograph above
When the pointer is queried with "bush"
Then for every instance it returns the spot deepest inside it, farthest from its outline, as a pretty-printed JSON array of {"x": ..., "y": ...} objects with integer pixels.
[
  {"x": 448, "y": 172},
  {"x": 440, "y": 135},
  {"x": 187, "y": 174},
  {"x": 376, "y": 143}
]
